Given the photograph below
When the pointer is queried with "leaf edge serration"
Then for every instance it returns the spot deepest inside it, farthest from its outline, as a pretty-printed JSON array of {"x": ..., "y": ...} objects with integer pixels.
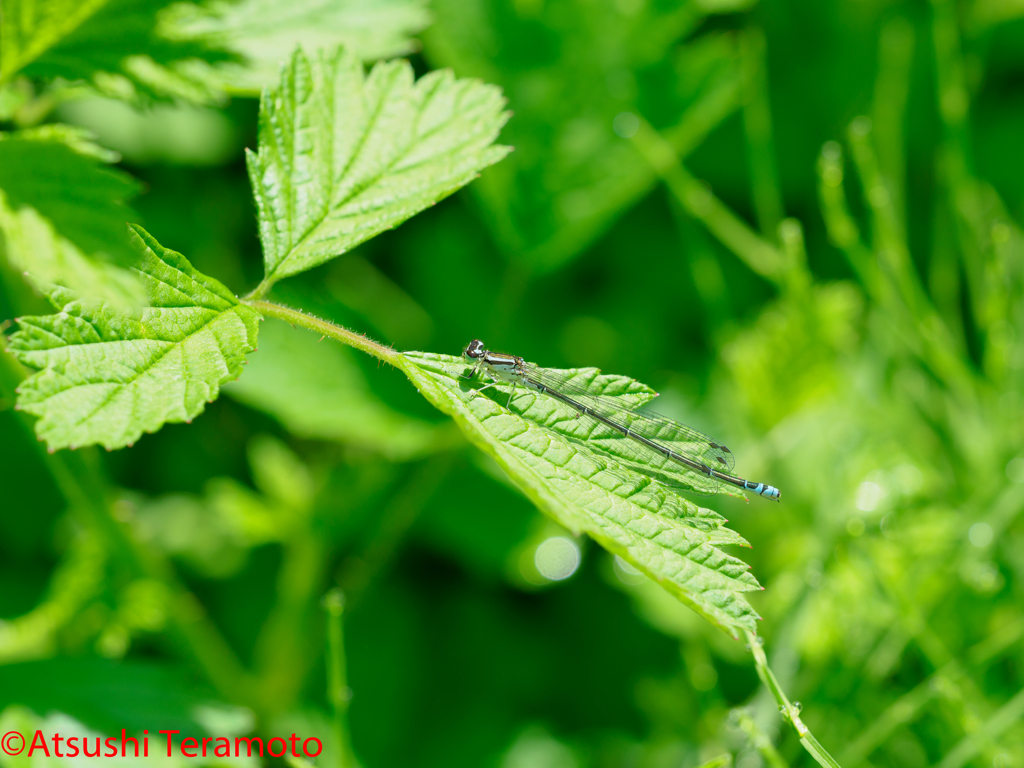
[
  {"x": 734, "y": 616},
  {"x": 71, "y": 307}
]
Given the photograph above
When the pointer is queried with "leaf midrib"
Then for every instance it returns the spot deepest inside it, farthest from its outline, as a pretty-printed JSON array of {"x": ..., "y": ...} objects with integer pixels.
[
  {"x": 170, "y": 346},
  {"x": 191, "y": 300},
  {"x": 595, "y": 518},
  {"x": 359, "y": 189},
  {"x": 573, "y": 440},
  {"x": 352, "y": 158}
]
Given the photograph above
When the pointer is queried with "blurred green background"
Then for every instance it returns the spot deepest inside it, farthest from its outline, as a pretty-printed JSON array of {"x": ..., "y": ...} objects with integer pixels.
[{"x": 799, "y": 221}]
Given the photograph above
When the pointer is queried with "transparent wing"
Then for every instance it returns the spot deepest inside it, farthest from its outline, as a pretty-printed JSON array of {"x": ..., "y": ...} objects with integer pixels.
[
  {"x": 675, "y": 436},
  {"x": 678, "y": 437}
]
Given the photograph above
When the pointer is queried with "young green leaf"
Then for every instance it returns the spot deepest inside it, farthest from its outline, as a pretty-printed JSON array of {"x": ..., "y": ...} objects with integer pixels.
[
  {"x": 106, "y": 375},
  {"x": 537, "y": 441},
  {"x": 265, "y": 32},
  {"x": 343, "y": 157},
  {"x": 62, "y": 213}
]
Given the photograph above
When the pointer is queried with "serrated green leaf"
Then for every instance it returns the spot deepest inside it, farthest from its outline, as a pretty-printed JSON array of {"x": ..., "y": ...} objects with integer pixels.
[
  {"x": 266, "y": 32},
  {"x": 106, "y": 375},
  {"x": 62, "y": 213},
  {"x": 666, "y": 536},
  {"x": 316, "y": 391},
  {"x": 127, "y": 50},
  {"x": 343, "y": 157}
]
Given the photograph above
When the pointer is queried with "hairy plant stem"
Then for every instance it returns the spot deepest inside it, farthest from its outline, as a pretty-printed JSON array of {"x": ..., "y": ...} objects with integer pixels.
[
  {"x": 260, "y": 290},
  {"x": 789, "y": 710},
  {"x": 325, "y": 328}
]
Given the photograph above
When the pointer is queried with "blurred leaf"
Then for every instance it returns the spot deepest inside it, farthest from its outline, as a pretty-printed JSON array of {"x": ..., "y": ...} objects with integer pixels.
[
  {"x": 71, "y": 752},
  {"x": 786, "y": 360},
  {"x": 76, "y": 580},
  {"x": 62, "y": 212},
  {"x": 280, "y": 474},
  {"x": 214, "y": 532},
  {"x": 317, "y": 391},
  {"x": 174, "y": 134},
  {"x": 32, "y": 26},
  {"x": 194, "y": 531},
  {"x": 536, "y": 748},
  {"x": 722, "y": 761},
  {"x": 343, "y": 157},
  {"x": 990, "y": 13},
  {"x": 127, "y": 50},
  {"x": 669, "y": 538},
  {"x": 114, "y": 695},
  {"x": 265, "y": 32},
  {"x": 311, "y": 721},
  {"x": 106, "y": 375},
  {"x": 578, "y": 74},
  {"x": 363, "y": 288}
]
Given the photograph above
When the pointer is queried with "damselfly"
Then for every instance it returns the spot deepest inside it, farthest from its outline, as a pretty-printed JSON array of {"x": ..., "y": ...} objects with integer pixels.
[{"x": 652, "y": 440}]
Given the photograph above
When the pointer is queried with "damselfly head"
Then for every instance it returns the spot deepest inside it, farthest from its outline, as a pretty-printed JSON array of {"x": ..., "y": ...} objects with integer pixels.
[{"x": 474, "y": 350}]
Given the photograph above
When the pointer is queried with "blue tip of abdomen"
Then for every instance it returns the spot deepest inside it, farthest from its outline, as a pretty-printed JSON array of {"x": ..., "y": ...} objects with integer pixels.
[{"x": 768, "y": 491}]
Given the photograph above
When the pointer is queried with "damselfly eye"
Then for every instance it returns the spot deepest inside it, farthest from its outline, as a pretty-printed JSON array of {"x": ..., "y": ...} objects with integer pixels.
[{"x": 474, "y": 350}]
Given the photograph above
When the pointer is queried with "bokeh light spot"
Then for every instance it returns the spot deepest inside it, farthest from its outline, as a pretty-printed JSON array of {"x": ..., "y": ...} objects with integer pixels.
[
  {"x": 557, "y": 558},
  {"x": 625, "y": 124},
  {"x": 627, "y": 573},
  {"x": 980, "y": 534},
  {"x": 868, "y": 496}
]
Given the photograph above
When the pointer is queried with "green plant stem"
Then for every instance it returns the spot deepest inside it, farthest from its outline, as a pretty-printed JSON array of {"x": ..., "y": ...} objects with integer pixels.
[
  {"x": 325, "y": 328},
  {"x": 905, "y": 709},
  {"x": 999, "y": 513},
  {"x": 757, "y": 125},
  {"x": 951, "y": 85},
  {"x": 889, "y": 105},
  {"x": 337, "y": 684},
  {"x": 897, "y": 288},
  {"x": 962, "y": 699},
  {"x": 697, "y": 200},
  {"x": 722, "y": 761},
  {"x": 969, "y": 747},
  {"x": 759, "y": 740},
  {"x": 709, "y": 111},
  {"x": 789, "y": 710},
  {"x": 361, "y": 569},
  {"x": 283, "y": 651},
  {"x": 260, "y": 290},
  {"x": 955, "y": 166},
  {"x": 80, "y": 482}
]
